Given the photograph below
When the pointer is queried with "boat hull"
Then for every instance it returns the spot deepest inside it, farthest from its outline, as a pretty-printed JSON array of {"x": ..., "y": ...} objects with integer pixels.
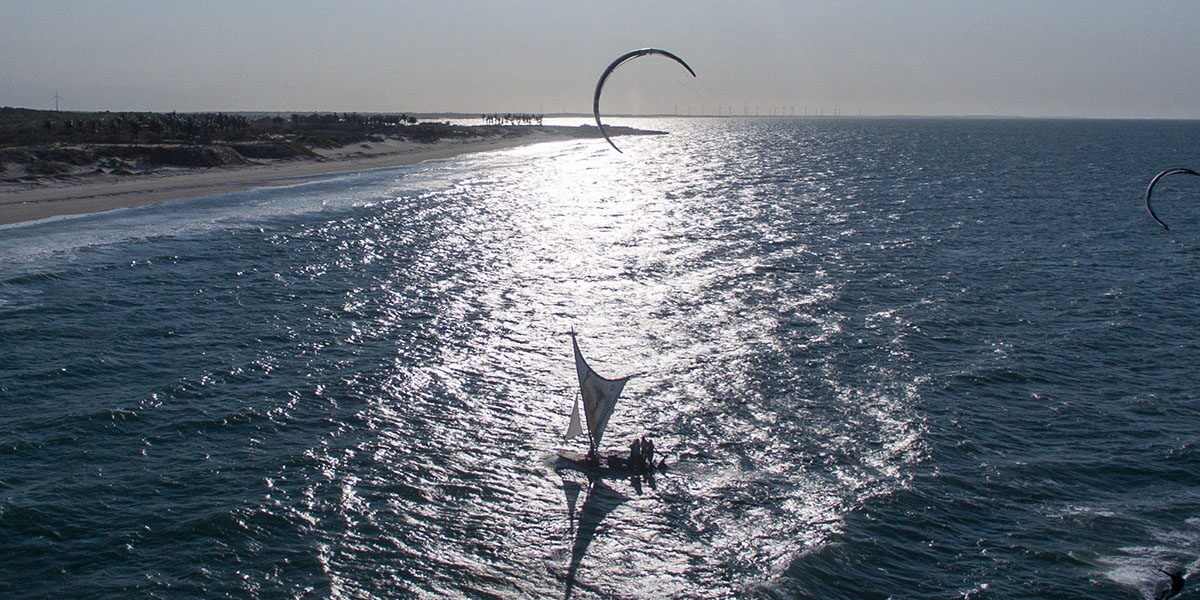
[{"x": 614, "y": 463}]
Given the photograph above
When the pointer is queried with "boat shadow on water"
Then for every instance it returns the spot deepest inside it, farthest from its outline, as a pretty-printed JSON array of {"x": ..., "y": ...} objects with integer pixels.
[{"x": 599, "y": 501}]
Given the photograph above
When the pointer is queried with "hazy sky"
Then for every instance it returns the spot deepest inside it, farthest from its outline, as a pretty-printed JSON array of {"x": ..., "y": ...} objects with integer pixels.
[{"x": 1096, "y": 58}]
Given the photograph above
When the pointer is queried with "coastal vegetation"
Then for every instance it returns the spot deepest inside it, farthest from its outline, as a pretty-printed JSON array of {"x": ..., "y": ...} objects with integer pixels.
[
  {"x": 41, "y": 143},
  {"x": 511, "y": 119}
]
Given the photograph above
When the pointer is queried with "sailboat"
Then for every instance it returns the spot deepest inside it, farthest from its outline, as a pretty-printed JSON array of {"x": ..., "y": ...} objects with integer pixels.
[{"x": 598, "y": 397}]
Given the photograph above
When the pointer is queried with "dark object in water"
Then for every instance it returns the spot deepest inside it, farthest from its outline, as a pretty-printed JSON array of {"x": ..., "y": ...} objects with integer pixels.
[
  {"x": 1177, "y": 581},
  {"x": 1150, "y": 188},
  {"x": 624, "y": 58}
]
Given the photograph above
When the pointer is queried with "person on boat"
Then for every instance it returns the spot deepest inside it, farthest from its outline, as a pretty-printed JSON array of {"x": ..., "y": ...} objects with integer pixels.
[
  {"x": 635, "y": 452},
  {"x": 648, "y": 451}
]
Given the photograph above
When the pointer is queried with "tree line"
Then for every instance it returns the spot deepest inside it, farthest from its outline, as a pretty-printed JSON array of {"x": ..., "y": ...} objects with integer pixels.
[
  {"x": 150, "y": 127},
  {"x": 511, "y": 119},
  {"x": 381, "y": 120}
]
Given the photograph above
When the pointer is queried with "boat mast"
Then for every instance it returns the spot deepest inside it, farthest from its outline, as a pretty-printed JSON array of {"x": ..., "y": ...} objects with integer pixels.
[{"x": 586, "y": 418}]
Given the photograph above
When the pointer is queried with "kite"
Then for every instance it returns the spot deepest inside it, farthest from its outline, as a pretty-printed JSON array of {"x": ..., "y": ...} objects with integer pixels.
[
  {"x": 1150, "y": 188},
  {"x": 624, "y": 58}
]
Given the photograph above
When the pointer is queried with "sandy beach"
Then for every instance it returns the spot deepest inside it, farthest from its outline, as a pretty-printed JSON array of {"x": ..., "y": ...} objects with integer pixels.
[{"x": 50, "y": 197}]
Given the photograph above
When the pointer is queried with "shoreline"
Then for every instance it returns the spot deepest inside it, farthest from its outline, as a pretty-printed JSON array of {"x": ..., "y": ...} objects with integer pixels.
[{"x": 27, "y": 202}]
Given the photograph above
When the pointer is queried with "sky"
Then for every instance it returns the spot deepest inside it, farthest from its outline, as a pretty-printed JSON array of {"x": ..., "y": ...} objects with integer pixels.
[{"x": 1063, "y": 58}]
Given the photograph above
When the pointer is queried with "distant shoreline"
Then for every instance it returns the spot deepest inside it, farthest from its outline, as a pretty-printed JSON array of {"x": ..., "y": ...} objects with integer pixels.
[{"x": 27, "y": 201}]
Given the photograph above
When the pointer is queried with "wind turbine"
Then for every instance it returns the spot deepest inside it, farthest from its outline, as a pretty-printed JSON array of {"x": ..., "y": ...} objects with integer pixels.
[{"x": 56, "y": 98}]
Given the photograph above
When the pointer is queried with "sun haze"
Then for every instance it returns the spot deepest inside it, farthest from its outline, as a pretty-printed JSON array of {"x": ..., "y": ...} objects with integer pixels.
[{"x": 1075, "y": 58}]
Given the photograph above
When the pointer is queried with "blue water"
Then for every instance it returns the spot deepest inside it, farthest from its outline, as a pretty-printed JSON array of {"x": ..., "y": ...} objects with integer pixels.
[{"x": 887, "y": 357}]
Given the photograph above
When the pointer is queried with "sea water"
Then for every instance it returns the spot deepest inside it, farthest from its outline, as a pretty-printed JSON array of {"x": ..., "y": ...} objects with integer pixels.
[{"x": 917, "y": 358}]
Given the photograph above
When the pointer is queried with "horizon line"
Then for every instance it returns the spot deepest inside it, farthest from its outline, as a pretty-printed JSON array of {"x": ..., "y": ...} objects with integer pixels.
[{"x": 472, "y": 114}]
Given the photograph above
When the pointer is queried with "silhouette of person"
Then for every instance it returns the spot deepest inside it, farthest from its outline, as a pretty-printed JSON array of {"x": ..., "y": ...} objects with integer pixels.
[
  {"x": 635, "y": 452},
  {"x": 648, "y": 451}
]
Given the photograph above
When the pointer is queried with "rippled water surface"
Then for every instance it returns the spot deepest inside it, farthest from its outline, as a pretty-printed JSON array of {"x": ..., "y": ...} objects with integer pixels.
[{"x": 918, "y": 358}]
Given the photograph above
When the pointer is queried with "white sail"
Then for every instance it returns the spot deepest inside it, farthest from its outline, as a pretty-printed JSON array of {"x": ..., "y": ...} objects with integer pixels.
[
  {"x": 599, "y": 395},
  {"x": 575, "y": 428}
]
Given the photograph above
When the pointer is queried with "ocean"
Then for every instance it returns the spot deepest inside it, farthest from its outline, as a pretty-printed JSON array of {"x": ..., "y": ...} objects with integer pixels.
[{"x": 908, "y": 358}]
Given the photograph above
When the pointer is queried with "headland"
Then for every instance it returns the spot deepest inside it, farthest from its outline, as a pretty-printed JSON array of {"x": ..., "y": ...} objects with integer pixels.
[{"x": 59, "y": 163}]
